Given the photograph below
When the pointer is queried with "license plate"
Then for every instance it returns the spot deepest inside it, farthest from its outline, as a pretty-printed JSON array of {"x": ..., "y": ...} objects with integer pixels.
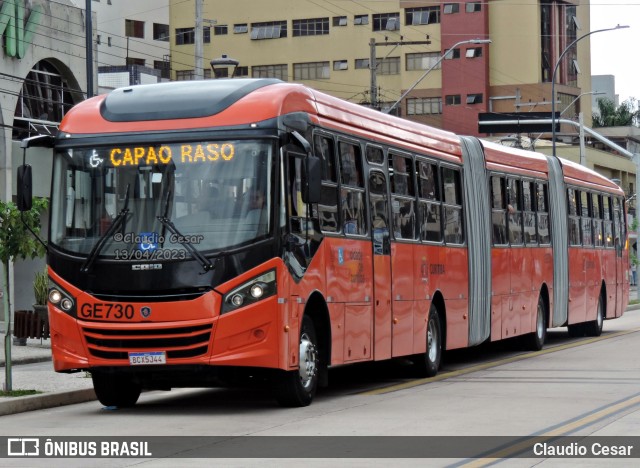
[{"x": 149, "y": 358}]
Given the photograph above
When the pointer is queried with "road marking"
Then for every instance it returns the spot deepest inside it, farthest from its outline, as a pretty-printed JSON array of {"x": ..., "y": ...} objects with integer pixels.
[
  {"x": 556, "y": 432},
  {"x": 491, "y": 364}
]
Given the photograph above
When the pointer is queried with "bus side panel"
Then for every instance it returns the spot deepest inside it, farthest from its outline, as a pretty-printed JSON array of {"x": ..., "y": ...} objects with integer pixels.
[
  {"x": 501, "y": 316},
  {"x": 402, "y": 259},
  {"x": 577, "y": 281},
  {"x": 451, "y": 277},
  {"x": 593, "y": 281},
  {"x": 521, "y": 284}
]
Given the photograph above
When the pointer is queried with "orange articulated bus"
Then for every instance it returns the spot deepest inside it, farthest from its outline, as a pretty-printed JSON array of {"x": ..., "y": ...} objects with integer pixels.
[{"x": 202, "y": 232}]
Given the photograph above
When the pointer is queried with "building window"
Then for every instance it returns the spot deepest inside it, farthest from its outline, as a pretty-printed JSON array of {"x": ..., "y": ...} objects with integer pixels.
[
  {"x": 340, "y": 65},
  {"x": 473, "y": 7},
  {"x": 450, "y": 8},
  {"x": 310, "y": 27},
  {"x": 339, "y": 20},
  {"x": 424, "y": 15},
  {"x": 240, "y": 28},
  {"x": 133, "y": 28},
  {"x": 163, "y": 66},
  {"x": 452, "y": 100},
  {"x": 546, "y": 39},
  {"x": 474, "y": 98},
  {"x": 423, "y": 61},
  {"x": 160, "y": 32},
  {"x": 388, "y": 66},
  {"x": 386, "y": 22},
  {"x": 109, "y": 41},
  {"x": 98, "y": 39},
  {"x": 453, "y": 54},
  {"x": 221, "y": 30},
  {"x": 424, "y": 106},
  {"x": 135, "y": 61},
  {"x": 361, "y": 19},
  {"x": 311, "y": 71},
  {"x": 362, "y": 63},
  {"x": 474, "y": 52},
  {"x": 185, "y": 75},
  {"x": 185, "y": 36},
  {"x": 270, "y": 71},
  {"x": 242, "y": 71},
  {"x": 268, "y": 30}
]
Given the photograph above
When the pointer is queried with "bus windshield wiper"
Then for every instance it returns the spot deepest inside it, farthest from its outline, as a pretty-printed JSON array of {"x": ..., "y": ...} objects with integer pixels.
[
  {"x": 168, "y": 224},
  {"x": 119, "y": 220},
  {"x": 204, "y": 261}
]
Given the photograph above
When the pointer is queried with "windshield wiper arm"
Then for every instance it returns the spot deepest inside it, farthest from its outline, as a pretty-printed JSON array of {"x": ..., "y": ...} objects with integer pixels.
[
  {"x": 204, "y": 261},
  {"x": 119, "y": 220}
]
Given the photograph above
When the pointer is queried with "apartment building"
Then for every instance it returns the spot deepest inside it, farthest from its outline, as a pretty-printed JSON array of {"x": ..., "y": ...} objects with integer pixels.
[{"x": 373, "y": 52}]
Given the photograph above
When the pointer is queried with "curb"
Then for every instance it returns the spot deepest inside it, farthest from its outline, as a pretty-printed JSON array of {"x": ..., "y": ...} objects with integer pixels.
[
  {"x": 46, "y": 400},
  {"x": 27, "y": 360}
]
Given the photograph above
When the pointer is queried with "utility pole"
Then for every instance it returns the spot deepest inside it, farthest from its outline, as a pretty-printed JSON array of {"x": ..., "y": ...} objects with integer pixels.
[
  {"x": 373, "y": 65},
  {"x": 199, "y": 72},
  {"x": 89, "y": 46}
]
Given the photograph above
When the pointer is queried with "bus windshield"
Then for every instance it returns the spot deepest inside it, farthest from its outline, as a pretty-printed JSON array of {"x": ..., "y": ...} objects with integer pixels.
[{"x": 214, "y": 195}]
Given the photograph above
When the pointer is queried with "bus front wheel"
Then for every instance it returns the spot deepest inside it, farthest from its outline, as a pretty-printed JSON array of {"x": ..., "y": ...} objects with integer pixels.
[
  {"x": 113, "y": 389},
  {"x": 427, "y": 364},
  {"x": 297, "y": 388}
]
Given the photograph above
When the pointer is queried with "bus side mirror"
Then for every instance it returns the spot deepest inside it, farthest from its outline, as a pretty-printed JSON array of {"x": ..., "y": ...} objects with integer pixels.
[
  {"x": 25, "y": 188},
  {"x": 311, "y": 180}
]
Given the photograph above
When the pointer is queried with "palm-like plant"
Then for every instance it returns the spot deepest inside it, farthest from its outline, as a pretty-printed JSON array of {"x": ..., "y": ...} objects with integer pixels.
[{"x": 608, "y": 115}]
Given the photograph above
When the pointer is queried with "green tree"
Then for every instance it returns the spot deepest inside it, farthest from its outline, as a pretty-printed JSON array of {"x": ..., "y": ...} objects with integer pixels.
[
  {"x": 608, "y": 115},
  {"x": 16, "y": 242}
]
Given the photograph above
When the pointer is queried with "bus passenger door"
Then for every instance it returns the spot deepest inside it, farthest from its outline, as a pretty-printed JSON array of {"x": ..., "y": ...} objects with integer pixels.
[{"x": 379, "y": 219}]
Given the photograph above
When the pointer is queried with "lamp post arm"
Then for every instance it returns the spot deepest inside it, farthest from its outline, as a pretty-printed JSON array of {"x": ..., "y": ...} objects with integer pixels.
[{"x": 553, "y": 81}]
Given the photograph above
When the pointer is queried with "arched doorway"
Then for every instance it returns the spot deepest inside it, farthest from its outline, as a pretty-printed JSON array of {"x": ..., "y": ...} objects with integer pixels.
[{"x": 47, "y": 94}]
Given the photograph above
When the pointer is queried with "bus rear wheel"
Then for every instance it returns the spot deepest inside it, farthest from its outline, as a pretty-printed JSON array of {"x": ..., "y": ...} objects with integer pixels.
[
  {"x": 297, "y": 388},
  {"x": 535, "y": 341},
  {"x": 427, "y": 364},
  {"x": 115, "y": 389},
  {"x": 594, "y": 328}
]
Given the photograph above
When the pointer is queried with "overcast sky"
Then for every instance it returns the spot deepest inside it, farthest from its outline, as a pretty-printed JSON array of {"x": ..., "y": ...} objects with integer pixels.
[{"x": 617, "y": 52}]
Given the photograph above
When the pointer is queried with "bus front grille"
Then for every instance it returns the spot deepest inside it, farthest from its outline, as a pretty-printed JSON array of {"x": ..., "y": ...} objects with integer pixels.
[{"x": 177, "y": 342}]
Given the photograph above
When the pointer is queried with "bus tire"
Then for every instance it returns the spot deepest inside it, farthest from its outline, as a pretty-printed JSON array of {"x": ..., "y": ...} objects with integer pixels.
[
  {"x": 535, "y": 341},
  {"x": 297, "y": 388},
  {"x": 427, "y": 364},
  {"x": 115, "y": 389},
  {"x": 594, "y": 328}
]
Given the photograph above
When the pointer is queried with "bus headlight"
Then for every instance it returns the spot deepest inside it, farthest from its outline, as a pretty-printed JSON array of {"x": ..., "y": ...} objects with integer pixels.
[
  {"x": 61, "y": 299},
  {"x": 252, "y": 291}
]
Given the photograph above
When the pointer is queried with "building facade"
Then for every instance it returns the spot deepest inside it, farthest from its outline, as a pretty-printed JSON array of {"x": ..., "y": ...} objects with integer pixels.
[{"x": 374, "y": 52}]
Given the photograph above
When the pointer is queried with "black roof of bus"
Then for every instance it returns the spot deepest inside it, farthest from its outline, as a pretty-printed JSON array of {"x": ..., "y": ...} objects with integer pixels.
[{"x": 177, "y": 100}]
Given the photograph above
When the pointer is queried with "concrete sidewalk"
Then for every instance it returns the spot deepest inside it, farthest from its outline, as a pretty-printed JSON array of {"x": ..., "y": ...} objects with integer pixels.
[
  {"x": 56, "y": 389},
  {"x": 60, "y": 389}
]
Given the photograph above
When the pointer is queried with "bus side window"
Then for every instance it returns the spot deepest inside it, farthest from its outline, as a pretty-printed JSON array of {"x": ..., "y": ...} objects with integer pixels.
[
  {"x": 596, "y": 203},
  {"x": 542, "y": 213},
  {"x": 430, "y": 203},
  {"x": 498, "y": 211},
  {"x": 403, "y": 201},
  {"x": 352, "y": 189},
  {"x": 608, "y": 222},
  {"x": 328, "y": 206},
  {"x": 529, "y": 215},
  {"x": 585, "y": 208},
  {"x": 514, "y": 207},
  {"x": 453, "y": 222},
  {"x": 574, "y": 218}
]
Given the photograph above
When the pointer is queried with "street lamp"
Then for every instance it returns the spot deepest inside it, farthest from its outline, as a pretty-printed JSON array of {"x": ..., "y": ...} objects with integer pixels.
[
  {"x": 442, "y": 57},
  {"x": 224, "y": 61},
  {"x": 553, "y": 83}
]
